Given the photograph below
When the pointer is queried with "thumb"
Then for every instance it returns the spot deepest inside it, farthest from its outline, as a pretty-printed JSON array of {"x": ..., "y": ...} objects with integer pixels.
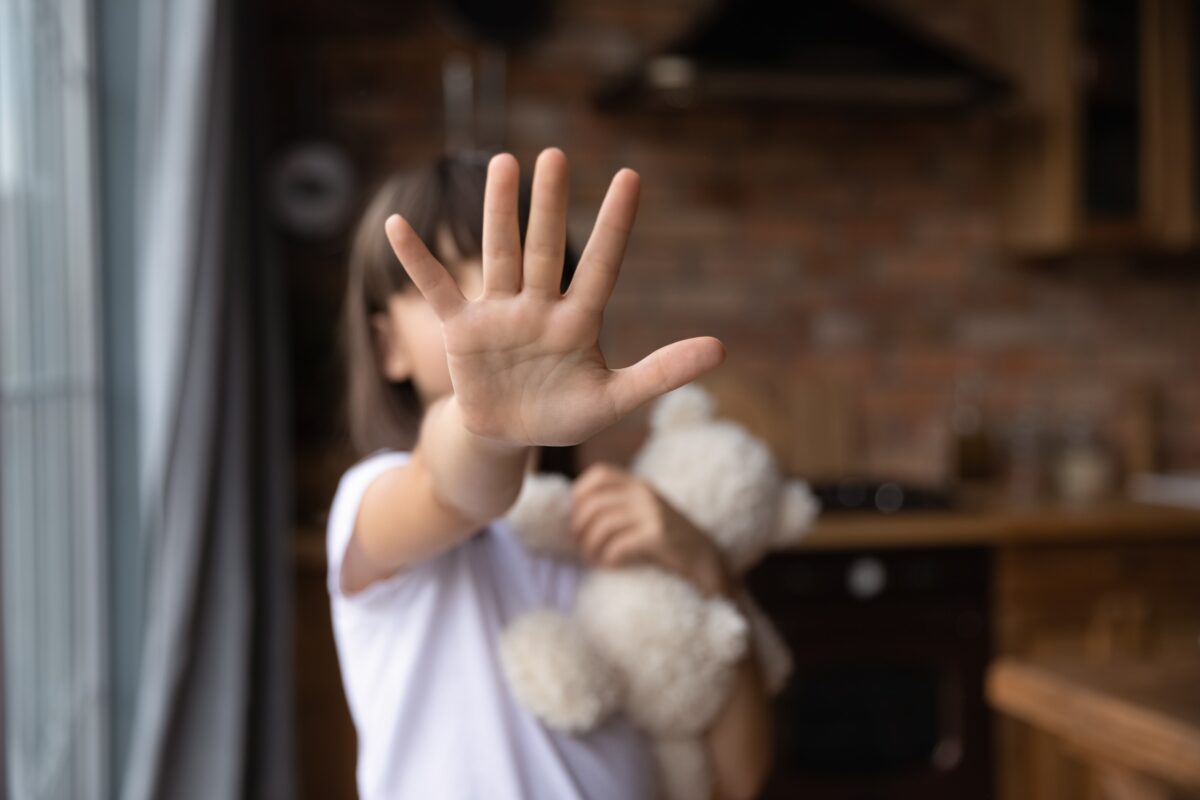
[{"x": 663, "y": 370}]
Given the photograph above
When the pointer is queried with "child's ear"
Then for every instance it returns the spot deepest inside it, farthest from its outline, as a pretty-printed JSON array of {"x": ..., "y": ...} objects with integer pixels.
[{"x": 393, "y": 356}]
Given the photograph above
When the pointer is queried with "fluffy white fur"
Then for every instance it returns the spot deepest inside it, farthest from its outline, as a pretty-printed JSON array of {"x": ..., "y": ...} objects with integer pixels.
[
  {"x": 673, "y": 647},
  {"x": 568, "y": 686},
  {"x": 642, "y": 640},
  {"x": 542, "y": 513}
]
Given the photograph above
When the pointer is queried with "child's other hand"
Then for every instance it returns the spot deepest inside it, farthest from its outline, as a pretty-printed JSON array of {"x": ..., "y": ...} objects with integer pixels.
[
  {"x": 524, "y": 358},
  {"x": 618, "y": 519}
]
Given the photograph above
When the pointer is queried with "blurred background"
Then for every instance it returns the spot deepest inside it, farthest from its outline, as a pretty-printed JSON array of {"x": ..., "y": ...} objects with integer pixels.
[{"x": 952, "y": 248}]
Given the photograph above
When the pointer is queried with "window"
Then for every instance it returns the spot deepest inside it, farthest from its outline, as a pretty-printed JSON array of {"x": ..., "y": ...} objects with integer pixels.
[{"x": 52, "y": 554}]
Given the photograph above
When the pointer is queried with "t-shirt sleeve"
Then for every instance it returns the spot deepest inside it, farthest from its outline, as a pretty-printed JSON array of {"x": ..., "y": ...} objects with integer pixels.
[{"x": 343, "y": 513}]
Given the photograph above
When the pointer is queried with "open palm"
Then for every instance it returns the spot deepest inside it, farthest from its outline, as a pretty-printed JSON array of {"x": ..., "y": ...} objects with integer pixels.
[{"x": 524, "y": 358}]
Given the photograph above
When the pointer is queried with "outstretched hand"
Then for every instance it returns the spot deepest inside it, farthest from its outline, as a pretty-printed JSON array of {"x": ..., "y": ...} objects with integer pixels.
[{"x": 524, "y": 358}]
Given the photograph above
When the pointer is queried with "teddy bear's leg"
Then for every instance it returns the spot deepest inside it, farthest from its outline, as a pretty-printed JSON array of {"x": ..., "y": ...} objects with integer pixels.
[
  {"x": 683, "y": 770},
  {"x": 555, "y": 673}
]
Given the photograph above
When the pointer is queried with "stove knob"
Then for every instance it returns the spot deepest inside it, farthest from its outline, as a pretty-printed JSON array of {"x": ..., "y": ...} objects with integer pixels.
[
  {"x": 866, "y": 577},
  {"x": 889, "y": 498}
]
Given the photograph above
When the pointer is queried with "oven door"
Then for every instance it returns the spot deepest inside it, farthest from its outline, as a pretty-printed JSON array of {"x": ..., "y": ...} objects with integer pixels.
[{"x": 887, "y": 697}]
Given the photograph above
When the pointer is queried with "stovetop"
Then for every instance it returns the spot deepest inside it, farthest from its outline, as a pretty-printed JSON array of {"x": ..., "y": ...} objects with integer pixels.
[{"x": 881, "y": 497}]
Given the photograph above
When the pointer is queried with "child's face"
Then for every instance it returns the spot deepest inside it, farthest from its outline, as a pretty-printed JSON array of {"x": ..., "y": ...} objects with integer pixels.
[{"x": 409, "y": 336}]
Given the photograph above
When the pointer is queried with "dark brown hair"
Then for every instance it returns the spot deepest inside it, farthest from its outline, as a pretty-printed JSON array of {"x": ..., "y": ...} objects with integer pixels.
[{"x": 443, "y": 196}]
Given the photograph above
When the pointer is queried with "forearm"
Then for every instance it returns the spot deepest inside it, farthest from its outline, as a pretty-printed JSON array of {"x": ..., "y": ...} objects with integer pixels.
[
  {"x": 740, "y": 739},
  {"x": 454, "y": 484},
  {"x": 475, "y": 476}
]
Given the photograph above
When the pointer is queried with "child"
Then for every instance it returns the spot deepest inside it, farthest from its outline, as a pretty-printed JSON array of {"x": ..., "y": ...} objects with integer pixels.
[{"x": 483, "y": 357}]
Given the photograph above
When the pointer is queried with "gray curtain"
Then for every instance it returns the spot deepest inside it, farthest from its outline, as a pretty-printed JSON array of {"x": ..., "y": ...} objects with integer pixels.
[{"x": 212, "y": 711}]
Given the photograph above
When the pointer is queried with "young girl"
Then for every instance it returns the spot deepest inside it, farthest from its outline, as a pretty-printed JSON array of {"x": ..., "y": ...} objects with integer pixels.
[{"x": 481, "y": 354}]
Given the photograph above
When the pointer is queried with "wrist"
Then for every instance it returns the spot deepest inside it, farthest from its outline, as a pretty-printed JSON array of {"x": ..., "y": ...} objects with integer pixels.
[
  {"x": 475, "y": 477},
  {"x": 712, "y": 576},
  {"x": 494, "y": 447}
]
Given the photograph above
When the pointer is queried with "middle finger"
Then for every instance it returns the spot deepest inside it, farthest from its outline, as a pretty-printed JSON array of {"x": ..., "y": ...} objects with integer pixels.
[
  {"x": 546, "y": 236},
  {"x": 501, "y": 227}
]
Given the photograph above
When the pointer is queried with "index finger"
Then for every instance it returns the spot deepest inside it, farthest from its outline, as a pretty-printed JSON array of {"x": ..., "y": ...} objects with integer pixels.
[
  {"x": 426, "y": 272},
  {"x": 599, "y": 474}
]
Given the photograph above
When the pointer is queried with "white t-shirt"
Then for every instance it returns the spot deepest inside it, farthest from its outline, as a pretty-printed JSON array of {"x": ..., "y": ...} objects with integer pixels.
[{"x": 434, "y": 715}]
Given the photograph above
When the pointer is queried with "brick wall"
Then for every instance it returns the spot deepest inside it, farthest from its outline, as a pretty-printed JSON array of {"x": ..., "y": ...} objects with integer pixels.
[{"x": 850, "y": 262}]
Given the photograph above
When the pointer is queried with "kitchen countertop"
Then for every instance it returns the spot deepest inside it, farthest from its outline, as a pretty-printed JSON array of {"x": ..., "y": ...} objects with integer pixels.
[{"x": 985, "y": 523}]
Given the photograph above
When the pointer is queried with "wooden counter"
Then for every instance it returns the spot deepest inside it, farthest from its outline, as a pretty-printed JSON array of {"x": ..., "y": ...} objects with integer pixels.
[
  {"x": 985, "y": 523},
  {"x": 1140, "y": 716}
]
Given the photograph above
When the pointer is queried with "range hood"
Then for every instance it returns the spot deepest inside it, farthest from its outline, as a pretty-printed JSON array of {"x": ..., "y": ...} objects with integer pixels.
[{"x": 837, "y": 52}]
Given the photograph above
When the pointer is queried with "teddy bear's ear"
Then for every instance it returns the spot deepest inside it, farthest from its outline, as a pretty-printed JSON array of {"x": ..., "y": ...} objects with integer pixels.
[
  {"x": 685, "y": 407},
  {"x": 798, "y": 507}
]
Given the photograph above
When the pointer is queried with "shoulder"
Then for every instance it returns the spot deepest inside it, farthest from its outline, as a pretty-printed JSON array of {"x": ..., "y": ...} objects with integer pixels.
[
  {"x": 343, "y": 512},
  {"x": 368, "y": 467}
]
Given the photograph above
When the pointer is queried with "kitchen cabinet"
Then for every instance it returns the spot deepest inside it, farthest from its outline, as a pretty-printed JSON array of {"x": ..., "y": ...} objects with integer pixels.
[{"x": 1099, "y": 150}]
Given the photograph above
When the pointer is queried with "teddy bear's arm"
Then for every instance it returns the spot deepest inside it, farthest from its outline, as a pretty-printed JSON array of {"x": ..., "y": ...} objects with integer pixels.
[{"x": 541, "y": 515}]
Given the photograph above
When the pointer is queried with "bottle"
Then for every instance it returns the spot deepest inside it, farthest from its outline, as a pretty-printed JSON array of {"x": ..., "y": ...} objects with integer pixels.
[
  {"x": 974, "y": 453},
  {"x": 1026, "y": 451},
  {"x": 1084, "y": 470}
]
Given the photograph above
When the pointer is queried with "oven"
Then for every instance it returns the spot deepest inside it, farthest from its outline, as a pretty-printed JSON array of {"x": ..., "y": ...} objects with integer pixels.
[{"x": 886, "y": 701}]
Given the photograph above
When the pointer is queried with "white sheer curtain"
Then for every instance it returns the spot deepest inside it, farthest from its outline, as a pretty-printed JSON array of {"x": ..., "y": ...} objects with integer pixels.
[{"x": 51, "y": 408}]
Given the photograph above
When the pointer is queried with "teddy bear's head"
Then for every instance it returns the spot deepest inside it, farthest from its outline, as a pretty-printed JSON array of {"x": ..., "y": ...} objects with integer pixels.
[{"x": 722, "y": 477}]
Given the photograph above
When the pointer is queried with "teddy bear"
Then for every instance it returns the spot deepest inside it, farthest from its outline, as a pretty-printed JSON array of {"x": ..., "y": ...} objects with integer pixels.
[{"x": 640, "y": 639}]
